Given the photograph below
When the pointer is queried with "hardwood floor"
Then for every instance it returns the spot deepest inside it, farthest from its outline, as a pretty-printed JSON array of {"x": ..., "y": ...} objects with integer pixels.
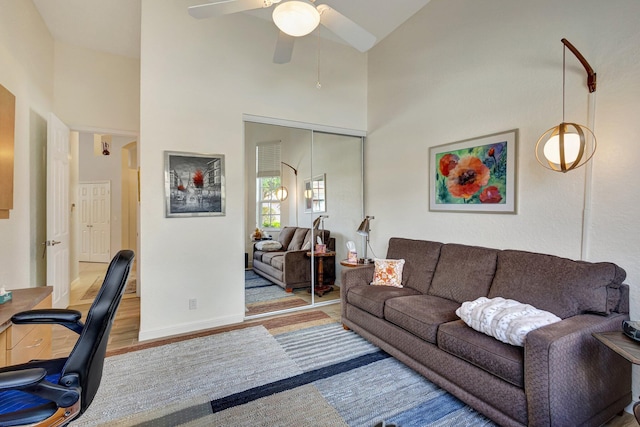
[
  {"x": 126, "y": 325},
  {"x": 124, "y": 333}
]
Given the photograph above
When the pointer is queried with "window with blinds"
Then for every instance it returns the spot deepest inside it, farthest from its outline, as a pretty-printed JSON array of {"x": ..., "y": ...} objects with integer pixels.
[
  {"x": 268, "y": 159},
  {"x": 268, "y": 181}
]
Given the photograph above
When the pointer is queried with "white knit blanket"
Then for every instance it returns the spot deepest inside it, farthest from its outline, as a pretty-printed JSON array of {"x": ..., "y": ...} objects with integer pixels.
[{"x": 504, "y": 319}]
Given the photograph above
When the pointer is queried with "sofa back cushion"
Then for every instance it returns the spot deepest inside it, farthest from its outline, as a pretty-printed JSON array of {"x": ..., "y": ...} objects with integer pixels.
[
  {"x": 464, "y": 273},
  {"x": 420, "y": 257},
  {"x": 559, "y": 285},
  {"x": 316, "y": 233},
  {"x": 298, "y": 239},
  {"x": 286, "y": 234}
]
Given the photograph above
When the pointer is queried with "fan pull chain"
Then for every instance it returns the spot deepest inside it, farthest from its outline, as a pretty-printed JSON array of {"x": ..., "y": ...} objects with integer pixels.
[{"x": 318, "y": 84}]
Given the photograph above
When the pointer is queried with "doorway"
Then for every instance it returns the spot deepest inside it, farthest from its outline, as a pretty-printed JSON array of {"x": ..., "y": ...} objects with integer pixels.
[{"x": 95, "y": 225}]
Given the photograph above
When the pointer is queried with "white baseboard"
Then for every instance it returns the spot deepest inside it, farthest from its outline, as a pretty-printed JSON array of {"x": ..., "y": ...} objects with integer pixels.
[{"x": 184, "y": 328}]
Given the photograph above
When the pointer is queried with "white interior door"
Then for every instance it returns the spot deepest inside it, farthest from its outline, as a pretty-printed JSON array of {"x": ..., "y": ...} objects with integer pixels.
[
  {"x": 95, "y": 225},
  {"x": 58, "y": 233}
]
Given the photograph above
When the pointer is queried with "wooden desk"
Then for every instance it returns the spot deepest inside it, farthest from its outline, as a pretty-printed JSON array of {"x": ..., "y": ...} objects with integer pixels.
[
  {"x": 625, "y": 347},
  {"x": 22, "y": 343},
  {"x": 319, "y": 286}
]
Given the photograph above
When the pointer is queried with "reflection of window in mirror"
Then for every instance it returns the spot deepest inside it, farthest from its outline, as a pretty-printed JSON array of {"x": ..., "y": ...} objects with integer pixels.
[
  {"x": 268, "y": 182},
  {"x": 315, "y": 194}
]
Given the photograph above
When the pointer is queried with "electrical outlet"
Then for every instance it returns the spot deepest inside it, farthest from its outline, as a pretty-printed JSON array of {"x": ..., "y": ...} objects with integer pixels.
[{"x": 193, "y": 304}]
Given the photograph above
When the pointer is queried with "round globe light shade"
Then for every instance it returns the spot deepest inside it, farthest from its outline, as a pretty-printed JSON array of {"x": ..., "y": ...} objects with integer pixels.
[
  {"x": 571, "y": 148},
  {"x": 282, "y": 194},
  {"x": 296, "y": 18}
]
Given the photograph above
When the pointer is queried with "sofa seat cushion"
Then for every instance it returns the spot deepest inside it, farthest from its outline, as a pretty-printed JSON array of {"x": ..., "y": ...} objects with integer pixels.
[
  {"x": 502, "y": 360},
  {"x": 372, "y": 298},
  {"x": 277, "y": 262},
  {"x": 420, "y": 314},
  {"x": 257, "y": 255},
  {"x": 273, "y": 259}
]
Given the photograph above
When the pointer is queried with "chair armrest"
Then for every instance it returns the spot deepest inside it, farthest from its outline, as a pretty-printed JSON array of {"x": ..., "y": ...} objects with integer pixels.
[
  {"x": 567, "y": 370},
  {"x": 33, "y": 381},
  {"x": 47, "y": 316},
  {"x": 11, "y": 380}
]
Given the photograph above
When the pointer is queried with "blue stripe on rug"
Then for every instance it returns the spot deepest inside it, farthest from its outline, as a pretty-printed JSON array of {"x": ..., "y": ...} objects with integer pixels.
[
  {"x": 253, "y": 280},
  {"x": 428, "y": 412},
  {"x": 295, "y": 381}
]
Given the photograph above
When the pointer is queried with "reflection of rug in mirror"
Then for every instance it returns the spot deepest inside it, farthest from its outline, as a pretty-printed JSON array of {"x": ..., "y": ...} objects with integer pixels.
[
  {"x": 274, "y": 305},
  {"x": 95, "y": 287}
]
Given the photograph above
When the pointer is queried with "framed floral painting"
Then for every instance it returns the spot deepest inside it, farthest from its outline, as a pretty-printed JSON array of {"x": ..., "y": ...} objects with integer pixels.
[
  {"x": 194, "y": 184},
  {"x": 474, "y": 175}
]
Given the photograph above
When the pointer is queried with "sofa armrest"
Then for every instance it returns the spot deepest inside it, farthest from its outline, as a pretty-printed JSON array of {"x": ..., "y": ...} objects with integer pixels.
[
  {"x": 297, "y": 267},
  {"x": 356, "y": 276},
  {"x": 569, "y": 376}
]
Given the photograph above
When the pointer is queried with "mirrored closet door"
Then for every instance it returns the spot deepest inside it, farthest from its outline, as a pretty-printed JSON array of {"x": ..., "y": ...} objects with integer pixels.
[{"x": 303, "y": 203}]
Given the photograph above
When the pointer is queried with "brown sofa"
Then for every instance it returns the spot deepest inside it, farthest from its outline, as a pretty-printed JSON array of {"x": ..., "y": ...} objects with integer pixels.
[
  {"x": 561, "y": 377},
  {"x": 289, "y": 266}
]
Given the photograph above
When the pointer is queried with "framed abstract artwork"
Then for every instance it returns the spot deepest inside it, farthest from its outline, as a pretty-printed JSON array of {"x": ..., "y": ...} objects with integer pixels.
[
  {"x": 194, "y": 184},
  {"x": 474, "y": 175}
]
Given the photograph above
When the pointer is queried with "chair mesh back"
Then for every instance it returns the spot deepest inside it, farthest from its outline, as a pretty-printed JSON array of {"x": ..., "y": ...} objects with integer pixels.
[{"x": 87, "y": 357}]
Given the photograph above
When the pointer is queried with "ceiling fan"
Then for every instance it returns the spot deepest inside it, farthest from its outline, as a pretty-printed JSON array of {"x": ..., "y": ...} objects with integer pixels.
[{"x": 294, "y": 18}]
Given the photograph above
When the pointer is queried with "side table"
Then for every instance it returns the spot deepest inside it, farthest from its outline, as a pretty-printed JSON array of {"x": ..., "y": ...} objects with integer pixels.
[
  {"x": 347, "y": 263},
  {"x": 319, "y": 287},
  {"x": 625, "y": 347}
]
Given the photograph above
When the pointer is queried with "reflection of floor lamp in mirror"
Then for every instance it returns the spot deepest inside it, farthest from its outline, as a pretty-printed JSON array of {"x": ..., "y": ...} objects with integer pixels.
[
  {"x": 363, "y": 230},
  {"x": 282, "y": 193},
  {"x": 318, "y": 223}
]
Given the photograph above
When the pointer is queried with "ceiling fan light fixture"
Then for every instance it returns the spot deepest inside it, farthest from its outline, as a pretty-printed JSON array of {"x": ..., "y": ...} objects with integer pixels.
[{"x": 296, "y": 18}]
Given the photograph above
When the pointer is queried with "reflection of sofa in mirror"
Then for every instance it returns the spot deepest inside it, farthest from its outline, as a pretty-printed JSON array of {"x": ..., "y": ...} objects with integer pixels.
[{"x": 285, "y": 262}]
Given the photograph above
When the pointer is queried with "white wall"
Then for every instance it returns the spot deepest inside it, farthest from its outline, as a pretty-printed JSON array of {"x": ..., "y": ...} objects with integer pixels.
[
  {"x": 460, "y": 69},
  {"x": 198, "y": 77},
  {"x": 26, "y": 70},
  {"x": 96, "y": 89}
]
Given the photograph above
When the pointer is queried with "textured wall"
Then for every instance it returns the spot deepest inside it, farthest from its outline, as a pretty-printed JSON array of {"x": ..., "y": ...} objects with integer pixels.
[{"x": 460, "y": 69}]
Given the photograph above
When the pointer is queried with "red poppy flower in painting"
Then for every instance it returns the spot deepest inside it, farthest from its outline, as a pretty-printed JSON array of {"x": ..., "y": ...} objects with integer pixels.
[
  {"x": 490, "y": 194},
  {"x": 198, "y": 179},
  {"x": 468, "y": 177},
  {"x": 447, "y": 163}
]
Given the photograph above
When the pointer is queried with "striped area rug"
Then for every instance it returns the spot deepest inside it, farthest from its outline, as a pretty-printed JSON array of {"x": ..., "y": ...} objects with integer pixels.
[{"x": 317, "y": 376}]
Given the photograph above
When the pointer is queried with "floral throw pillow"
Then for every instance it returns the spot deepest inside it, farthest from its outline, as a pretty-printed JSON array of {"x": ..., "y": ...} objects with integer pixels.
[{"x": 388, "y": 272}]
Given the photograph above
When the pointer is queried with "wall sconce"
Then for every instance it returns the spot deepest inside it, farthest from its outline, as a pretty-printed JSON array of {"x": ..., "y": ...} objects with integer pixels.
[
  {"x": 566, "y": 147},
  {"x": 363, "y": 230}
]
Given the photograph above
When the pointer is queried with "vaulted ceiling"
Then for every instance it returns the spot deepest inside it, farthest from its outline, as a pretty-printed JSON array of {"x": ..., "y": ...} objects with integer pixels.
[{"x": 114, "y": 25}]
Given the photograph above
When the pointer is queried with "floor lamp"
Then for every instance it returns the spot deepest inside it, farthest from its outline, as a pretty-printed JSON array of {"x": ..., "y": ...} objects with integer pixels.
[{"x": 363, "y": 230}]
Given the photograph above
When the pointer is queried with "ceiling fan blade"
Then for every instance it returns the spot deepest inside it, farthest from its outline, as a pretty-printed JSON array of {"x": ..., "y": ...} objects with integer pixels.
[
  {"x": 224, "y": 7},
  {"x": 284, "y": 48},
  {"x": 346, "y": 29}
]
